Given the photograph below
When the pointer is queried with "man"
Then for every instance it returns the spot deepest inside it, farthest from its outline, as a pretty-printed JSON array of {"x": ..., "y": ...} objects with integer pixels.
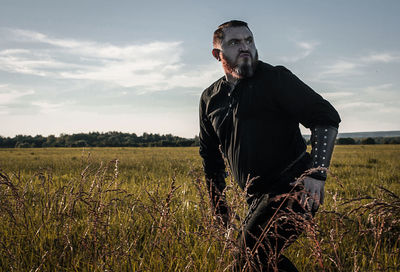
[{"x": 252, "y": 116}]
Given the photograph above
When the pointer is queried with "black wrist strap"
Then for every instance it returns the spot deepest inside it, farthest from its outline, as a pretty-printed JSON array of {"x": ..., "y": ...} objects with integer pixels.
[{"x": 322, "y": 143}]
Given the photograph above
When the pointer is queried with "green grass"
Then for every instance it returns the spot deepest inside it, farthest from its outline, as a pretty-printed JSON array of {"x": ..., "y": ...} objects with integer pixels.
[{"x": 146, "y": 209}]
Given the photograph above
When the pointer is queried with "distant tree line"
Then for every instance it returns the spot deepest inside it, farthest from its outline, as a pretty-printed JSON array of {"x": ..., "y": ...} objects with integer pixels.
[
  {"x": 119, "y": 139},
  {"x": 96, "y": 139},
  {"x": 368, "y": 140}
]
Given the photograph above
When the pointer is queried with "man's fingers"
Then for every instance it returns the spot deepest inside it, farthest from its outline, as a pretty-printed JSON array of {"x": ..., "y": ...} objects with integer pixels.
[
  {"x": 223, "y": 219},
  {"x": 313, "y": 193},
  {"x": 307, "y": 201},
  {"x": 310, "y": 203},
  {"x": 303, "y": 199},
  {"x": 322, "y": 197},
  {"x": 317, "y": 197},
  {"x": 316, "y": 202}
]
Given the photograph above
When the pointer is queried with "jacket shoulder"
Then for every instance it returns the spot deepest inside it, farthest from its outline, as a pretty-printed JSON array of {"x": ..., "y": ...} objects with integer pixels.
[
  {"x": 281, "y": 68},
  {"x": 270, "y": 69},
  {"x": 265, "y": 66},
  {"x": 212, "y": 89}
]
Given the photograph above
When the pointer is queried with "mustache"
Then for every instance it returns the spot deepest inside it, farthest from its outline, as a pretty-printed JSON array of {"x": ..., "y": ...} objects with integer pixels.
[{"x": 245, "y": 52}]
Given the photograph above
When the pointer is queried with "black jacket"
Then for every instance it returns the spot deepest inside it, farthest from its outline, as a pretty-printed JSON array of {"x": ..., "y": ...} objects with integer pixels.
[{"x": 257, "y": 124}]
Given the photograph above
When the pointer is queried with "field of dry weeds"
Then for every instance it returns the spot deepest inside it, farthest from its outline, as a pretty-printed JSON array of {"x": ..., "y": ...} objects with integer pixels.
[{"x": 146, "y": 209}]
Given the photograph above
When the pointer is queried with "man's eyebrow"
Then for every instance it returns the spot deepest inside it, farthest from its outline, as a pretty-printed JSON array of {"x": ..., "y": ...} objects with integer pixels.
[{"x": 236, "y": 39}]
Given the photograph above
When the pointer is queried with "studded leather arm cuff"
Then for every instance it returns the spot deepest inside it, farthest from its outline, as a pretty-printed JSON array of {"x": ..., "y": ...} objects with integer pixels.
[{"x": 322, "y": 143}]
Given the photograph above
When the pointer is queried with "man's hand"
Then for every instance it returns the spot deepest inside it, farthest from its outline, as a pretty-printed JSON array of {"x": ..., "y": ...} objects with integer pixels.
[
  {"x": 223, "y": 213},
  {"x": 314, "y": 193},
  {"x": 216, "y": 185}
]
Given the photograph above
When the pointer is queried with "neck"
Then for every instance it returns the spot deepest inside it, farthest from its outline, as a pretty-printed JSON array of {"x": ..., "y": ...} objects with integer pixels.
[{"x": 231, "y": 79}]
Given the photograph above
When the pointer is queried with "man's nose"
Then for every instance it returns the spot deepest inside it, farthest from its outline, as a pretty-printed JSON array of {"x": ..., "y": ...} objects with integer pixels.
[{"x": 244, "y": 46}]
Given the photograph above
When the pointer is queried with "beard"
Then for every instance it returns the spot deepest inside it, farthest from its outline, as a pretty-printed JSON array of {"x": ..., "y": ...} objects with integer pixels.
[{"x": 242, "y": 69}]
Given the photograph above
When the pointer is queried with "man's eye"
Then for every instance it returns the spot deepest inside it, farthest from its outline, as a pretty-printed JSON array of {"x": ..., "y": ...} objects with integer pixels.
[
  {"x": 249, "y": 41},
  {"x": 233, "y": 43}
]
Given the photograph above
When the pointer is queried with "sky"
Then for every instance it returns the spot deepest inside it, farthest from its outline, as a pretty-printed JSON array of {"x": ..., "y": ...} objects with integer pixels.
[{"x": 141, "y": 66}]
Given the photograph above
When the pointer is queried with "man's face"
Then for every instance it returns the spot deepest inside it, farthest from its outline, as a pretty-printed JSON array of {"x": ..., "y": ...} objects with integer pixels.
[{"x": 238, "y": 52}]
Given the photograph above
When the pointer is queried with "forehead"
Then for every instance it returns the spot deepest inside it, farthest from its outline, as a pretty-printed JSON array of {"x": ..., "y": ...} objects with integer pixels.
[{"x": 240, "y": 32}]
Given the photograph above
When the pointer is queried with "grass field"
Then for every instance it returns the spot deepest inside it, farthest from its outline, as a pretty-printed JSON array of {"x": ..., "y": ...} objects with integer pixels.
[{"x": 146, "y": 209}]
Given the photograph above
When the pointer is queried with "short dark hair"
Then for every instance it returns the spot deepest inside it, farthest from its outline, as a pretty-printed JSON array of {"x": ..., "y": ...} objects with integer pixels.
[{"x": 219, "y": 33}]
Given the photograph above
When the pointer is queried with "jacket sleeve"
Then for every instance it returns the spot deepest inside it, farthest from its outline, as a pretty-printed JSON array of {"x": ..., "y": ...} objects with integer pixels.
[
  {"x": 213, "y": 162},
  {"x": 302, "y": 103}
]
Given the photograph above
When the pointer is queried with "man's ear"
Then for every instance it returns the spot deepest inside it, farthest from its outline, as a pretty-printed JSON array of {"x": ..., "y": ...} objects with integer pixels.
[{"x": 215, "y": 53}]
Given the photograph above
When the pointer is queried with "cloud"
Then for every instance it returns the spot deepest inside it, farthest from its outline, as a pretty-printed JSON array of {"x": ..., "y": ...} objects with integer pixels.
[
  {"x": 356, "y": 65},
  {"x": 17, "y": 99},
  {"x": 365, "y": 110},
  {"x": 341, "y": 68},
  {"x": 379, "y": 88},
  {"x": 151, "y": 66},
  {"x": 46, "y": 107},
  {"x": 381, "y": 57},
  {"x": 361, "y": 105},
  {"x": 30, "y": 62},
  {"x": 336, "y": 95},
  {"x": 9, "y": 96},
  {"x": 306, "y": 49}
]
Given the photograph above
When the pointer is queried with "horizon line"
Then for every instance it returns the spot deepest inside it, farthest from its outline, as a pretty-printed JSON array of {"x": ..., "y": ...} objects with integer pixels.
[{"x": 353, "y": 132}]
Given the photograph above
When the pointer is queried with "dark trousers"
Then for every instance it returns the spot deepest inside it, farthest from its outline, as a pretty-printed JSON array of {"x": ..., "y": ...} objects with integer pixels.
[{"x": 272, "y": 224}]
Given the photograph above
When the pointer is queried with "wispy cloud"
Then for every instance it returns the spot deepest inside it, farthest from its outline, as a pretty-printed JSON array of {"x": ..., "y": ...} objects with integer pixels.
[
  {"x": 19, "y": 99},
  {"x": 356, "y": 65},
  {"x": 381, "y": 57},
  {"x": 336, "y": 95},
  {"x": 341, "y": 68},
  {"x": 371, "y": 109},
  {"x": 31, "y": 62},
  {"x": 46, "y": 107},
  {"x": 9, "y": 95},
  {"x": 306, "y": 48},
  {"x": 151, "y": 66},
  {"x": 379, "y": 88},
  {"x": 361, "y": 105}
]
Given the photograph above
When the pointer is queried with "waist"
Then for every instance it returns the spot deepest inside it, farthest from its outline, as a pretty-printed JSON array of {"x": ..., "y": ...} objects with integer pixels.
[{"x": 280, "y": 182}]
